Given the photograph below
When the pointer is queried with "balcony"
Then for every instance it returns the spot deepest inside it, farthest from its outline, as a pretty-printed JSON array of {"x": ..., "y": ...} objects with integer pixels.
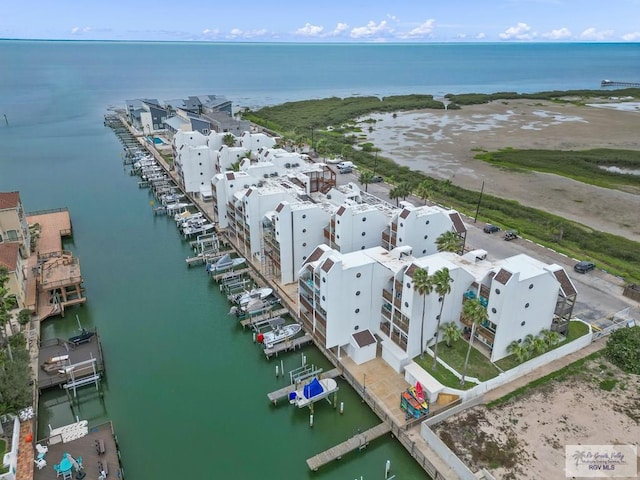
[
  {"x": 386, "y": 294},
  {"x": 386, "y": 328}
]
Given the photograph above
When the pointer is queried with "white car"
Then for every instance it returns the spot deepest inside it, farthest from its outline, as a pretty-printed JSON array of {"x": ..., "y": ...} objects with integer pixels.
[{"x": 345, "y": 164}]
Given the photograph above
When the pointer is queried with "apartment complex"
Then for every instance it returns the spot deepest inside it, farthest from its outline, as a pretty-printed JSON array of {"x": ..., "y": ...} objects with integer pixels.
[{"x": 15, "y": 243}]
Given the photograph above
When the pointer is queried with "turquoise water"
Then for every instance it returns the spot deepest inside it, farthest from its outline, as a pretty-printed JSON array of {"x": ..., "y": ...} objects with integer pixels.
[{"x": 186, "y": 387}]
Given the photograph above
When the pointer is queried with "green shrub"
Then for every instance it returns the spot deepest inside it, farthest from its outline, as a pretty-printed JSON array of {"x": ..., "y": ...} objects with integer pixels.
[{"x": 623, "y": 349}]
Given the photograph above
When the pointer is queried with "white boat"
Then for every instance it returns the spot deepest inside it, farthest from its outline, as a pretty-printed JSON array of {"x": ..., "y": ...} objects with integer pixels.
[
  {"x": 197, "y": 229},
  {"x": 313, "y": 391},
  {"x": 173, "y": 207},
  {"x": 279, "y": 332},
  {"x": 225, "y": 263},
  {"x": 182, "y": 217},
  {"x": 171, "y": 198},
  {"x": 244, "y": 298}
]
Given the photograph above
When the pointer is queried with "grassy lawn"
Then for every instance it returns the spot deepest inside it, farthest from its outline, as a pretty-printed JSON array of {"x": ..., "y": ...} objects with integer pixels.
[
  {"x": 576, "y": 330},
  {"x": 479, "y": 366},
  {"x": 441, "y": 374}
]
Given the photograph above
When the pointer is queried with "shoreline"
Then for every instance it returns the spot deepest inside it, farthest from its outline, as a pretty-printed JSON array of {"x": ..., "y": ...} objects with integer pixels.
[{"x": 443, "y": 144}]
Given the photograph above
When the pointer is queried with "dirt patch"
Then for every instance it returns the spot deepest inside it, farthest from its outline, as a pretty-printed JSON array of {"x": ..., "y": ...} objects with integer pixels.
[
  {"x": 526, "y": 437},
  {"x": 443, "y": 144}
]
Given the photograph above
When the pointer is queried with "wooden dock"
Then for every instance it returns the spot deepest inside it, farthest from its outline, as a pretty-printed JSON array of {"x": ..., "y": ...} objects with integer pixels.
[
  {"x": 357, "y": 442},
  {"x": 263, "y": 319},
  {"x": 285, "y": 391},
  {"x": 288, "y": 345},
  {"x": 232, "y": 274}
]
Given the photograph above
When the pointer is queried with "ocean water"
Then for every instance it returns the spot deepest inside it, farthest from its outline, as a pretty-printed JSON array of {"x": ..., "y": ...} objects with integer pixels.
[{"x": 186, "y": 388}]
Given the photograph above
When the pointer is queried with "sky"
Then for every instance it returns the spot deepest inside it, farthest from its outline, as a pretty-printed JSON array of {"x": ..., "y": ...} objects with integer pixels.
[{"x": 325, "y": 20}]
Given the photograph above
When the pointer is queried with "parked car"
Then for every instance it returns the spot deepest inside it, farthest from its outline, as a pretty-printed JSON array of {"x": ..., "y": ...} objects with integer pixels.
[
  {"x": 584, "y": 266},
  {"x": 510, "y": 235},
  {"x": 489, "y": 228},
  {"x": 377, "y": 179},
  {"x": 345, "y": 170},
  {"x": 345, "y": 164}
]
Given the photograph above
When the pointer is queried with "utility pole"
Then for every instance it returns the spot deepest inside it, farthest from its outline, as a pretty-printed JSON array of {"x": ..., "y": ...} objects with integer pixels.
[{"x": 479, "y": 200}]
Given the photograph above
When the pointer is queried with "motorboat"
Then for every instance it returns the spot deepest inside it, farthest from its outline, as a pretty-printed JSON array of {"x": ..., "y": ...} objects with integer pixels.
[
  {"x": 171, "y": 198},
  {"x": 280, "y": 331},
  {"x": 83, "y": 337},
  {"x": 197, "y": 229},
  {"x": 313, "y": 391},
  {"x": 245, "y": 297},
  {"x": 182, "y": 217},
  {"x": 225, "y": 263},
  {"x": 173, "y": 207}
]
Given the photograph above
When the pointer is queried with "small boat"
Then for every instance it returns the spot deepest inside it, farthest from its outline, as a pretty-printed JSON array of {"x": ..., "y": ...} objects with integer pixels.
[
  {"x": 197, "y": 229},
  {"x": 279, "y": 332},
  {"x": 173, "y": 207},
  {"x": 313, "y": 391},
  {"x": 244, "y": 298},
  {"x": 83, "y": 337},
  {"x": 171, "y": 198},
  {"x": 225, "y": 263},
  {"x": 185, "y": 216},
  {"x": 418, "y": 393}
]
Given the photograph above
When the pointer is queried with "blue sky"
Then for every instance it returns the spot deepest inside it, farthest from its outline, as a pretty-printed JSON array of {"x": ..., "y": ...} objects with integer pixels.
[{"x": 325, "y": 20}]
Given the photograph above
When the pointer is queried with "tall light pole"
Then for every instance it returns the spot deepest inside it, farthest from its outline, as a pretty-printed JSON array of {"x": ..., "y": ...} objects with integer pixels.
[{"x": 479, "y": 200}]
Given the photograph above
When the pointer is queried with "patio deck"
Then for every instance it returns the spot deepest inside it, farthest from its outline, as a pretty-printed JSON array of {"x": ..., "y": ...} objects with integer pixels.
[{"x": 84, "y": 447}]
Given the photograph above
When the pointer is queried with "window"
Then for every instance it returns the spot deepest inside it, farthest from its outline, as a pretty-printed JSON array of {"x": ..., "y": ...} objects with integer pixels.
[
  {"x": 358, "y": 275},
  {"x": 304, "y": 216},
  {"x": 408, "y": 284},
  {"x": 323, "y": 298},
  {"x": 304, "y": 230},
  {"x": 357, "y": 293},
  {"x": 304, "y": 244},
  {"x": 526, "y": 305},
  {"x": 406, "y": 304},
  {"x": 12, "y": 235},
  {"x": 427, "y": 222},
  {"x": 497, "y": 291},
  {"x": 363, "y": 234},
  {"x": 522, "y": 324},
  {"x": 530, "y": 286},
  {"x": 494, "y": 310},
  {"x": 426, "y": 236},
  {"x": 357, "y": 310},
  {"x": 364, "y": 219},
  {"x": 324, "y": 279}
]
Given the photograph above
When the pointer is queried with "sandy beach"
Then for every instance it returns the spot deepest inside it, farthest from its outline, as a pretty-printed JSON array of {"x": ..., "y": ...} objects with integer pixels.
[
  {"x": 534, "y": 429},
  {"x": 443, "y": 144}
]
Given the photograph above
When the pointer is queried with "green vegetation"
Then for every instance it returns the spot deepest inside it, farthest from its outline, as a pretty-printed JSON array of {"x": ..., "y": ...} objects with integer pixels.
[
  {"x": 587, "y": 166},
  {"x": 442, "y": 375},
  {"x": 573, "y": 96},
  {"x": 306, "y": 122},
  {"x": 623, "y": 349},
  {"x": 575, "y": 368},
  {"x": 608, "y": 384},
  {"x": 3, "y": 450},
  {"x": 479, "y": 365},
  {"x": 15, "y": 376},
  {"x": 518, "y": 356}
]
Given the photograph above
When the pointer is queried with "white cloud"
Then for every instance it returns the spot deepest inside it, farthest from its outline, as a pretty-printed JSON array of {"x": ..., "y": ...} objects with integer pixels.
[
  {"x": 521, "y": 31},
  {"x": 370, "y": 29},
  {"x": 423, "y": 30},
  {"x": 480, "y": 36},
  {"x": 631, "y": 37},
  {"x": 593, "y": 34},
  {"x": 237, "y": 33},
  {"x": 558, "y": 34},
  {"x": 80, "y": 30},
  {"x": 310, "y": 30},
  {"x": 207, "y": 32},
  {"x": 340, "y": 28}
]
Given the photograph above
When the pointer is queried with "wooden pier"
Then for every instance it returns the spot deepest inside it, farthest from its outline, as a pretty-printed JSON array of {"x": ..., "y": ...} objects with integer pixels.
[
  {"x": 357, "y": 442},
  {"x": 259, "y": 320},
  {"x": 232, "y": 274},
  {"x": 285, "y": 391},
  {"x": 288, "y": 345},
  {"x": 613, "y": 83}
]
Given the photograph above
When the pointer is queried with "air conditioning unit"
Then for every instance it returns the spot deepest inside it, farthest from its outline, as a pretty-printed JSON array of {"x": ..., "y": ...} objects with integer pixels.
[
  {"x": 246, "y": 186},
  {"x": 287, "y": 165},
  {"x": 266, "y": 175}
]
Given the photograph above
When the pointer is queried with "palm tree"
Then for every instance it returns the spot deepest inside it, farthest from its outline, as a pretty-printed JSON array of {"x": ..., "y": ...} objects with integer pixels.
[
  {"x": 450, "y": 333},
  {"x": 365, "y": 179},
  {"x": 535, "y": 345},
  {"x": 551, "y": 338},
  {"x": 395, "y": 194},
  {"x": 424, "y": 191},
  {"x": 476, "y": 313},
  {"x": 322, "y": 148},
  {"x": 229, "y": 140},
  {"x": 518, "y": 350},
  {"x": 442, "y": 286},
  {"x": 423, "y": 284},
  {"x": 448, "y": 241}
]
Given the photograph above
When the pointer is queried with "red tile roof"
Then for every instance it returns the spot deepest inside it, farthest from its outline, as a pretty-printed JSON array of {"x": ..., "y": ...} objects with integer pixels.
[
  {"x": 9, "y": 255},
  {"x": 9, "y": 200}
]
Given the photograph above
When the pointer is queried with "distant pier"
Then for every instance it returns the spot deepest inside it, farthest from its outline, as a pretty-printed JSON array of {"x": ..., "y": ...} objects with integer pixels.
[{"x": 613, "y": 83}]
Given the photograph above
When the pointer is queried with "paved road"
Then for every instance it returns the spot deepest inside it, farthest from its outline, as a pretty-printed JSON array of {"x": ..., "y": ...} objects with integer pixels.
[{"x": 599, "y": 293}]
